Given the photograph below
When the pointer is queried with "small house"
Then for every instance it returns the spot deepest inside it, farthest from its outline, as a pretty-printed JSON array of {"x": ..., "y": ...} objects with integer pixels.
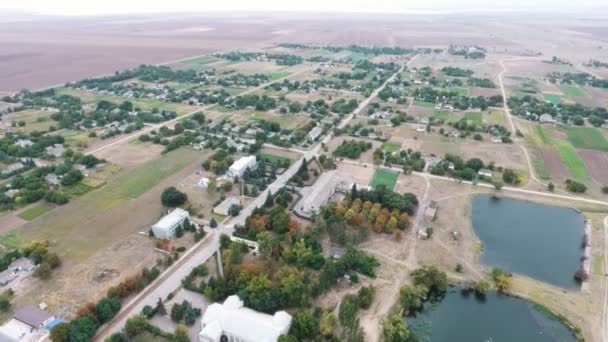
[
  {"x": 485, "y": 173},
  {"x": 224, "y": 207}
]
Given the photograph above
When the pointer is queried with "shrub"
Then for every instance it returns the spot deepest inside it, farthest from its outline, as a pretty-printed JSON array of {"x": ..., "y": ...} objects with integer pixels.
[{"x": 171, "y": 197}]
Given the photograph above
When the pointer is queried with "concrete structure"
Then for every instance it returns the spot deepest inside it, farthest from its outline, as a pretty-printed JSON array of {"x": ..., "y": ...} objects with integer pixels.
[
  {"x": 430, "y": 211},
  {"x": 317, "y": 195},
  {"x": 224, "y": 207},
  {"x": 232, "y": 321},
  {"x": 238, "y": 168},
  {"x": 496, "y": 139},
  {"x": 52, "y": 179},
  {"x": 314, "y": 133},
  {"x": 485, "y": 172},
  {"x": 165, "y": 228}
]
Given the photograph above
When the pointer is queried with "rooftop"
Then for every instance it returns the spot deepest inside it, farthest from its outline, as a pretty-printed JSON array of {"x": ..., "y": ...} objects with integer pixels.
[
  {"x": 171, "y": 219},
  {"x": 32, "y": 316}
]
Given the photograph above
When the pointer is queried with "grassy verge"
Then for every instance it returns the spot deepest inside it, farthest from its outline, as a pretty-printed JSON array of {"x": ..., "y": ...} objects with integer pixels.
[{"x": 572, "y": 91}]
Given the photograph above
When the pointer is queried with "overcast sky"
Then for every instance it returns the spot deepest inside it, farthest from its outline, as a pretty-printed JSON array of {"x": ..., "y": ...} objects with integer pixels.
[{"x": 93, "y": 7}]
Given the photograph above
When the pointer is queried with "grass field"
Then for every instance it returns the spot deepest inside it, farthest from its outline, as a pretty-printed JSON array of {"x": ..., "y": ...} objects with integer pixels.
[
  {"x": 424, "y": 104},
  {"x": 272, "y": 159},
  {"x": 446, "y": 117},
  {"x": 390, "y": 147},
  {"x": 572, "y": 91},
  {"x": 542, "y": 137},
  {"x": 201, "y": 60},
  {"x": 473, "y": 117},
  {"x": 76, "y": 190},
  {"x": 460, "y": 90},
  {"x": 278, "y": 74},
  {"x": 587, "y": 137},
  {"x": 555, "y": 99},
  {"x": 11, "y": 241},
  {"x": 35, "y": 211},
  {"x": 386, "y": 178},
  {"x": 574, "y": 163}
]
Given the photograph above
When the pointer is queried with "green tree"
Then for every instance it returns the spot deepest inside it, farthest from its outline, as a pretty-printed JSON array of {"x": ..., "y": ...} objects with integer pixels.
[
  {"x": 5, "y": 304},
  {"x": 106, "y": 309},
  {"x": 412, "y": 297},
  {"x": 171, "y": 197},
  {"x": 181, "y": 334},
  {"x": 395, "y": 329},
  {"x": 265, "y": 244},
  {"x": 482, "y": 287},
  {"x": 328, "y": 323},
  {"x": 213, "y": 223},
  {"x": 305, "y": 326},
  {"x": 433, "y": 279},
  {"x": 61, "y": 332},
  {"x": 349, "y": 309},
  {"x": 136, "y": 325},
  {"x": 366, "y": 297},
  {"x": 82, "y": 329},
  {"x": 551, "y": 186}
]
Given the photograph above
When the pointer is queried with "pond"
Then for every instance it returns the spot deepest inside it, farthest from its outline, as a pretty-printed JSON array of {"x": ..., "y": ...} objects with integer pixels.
[
  {"x": 539, "y": 241},
  {"x": 497, "y": 318}
]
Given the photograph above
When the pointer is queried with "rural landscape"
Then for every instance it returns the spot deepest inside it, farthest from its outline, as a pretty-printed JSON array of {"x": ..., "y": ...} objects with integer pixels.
[{"x": 290, "y": 177}]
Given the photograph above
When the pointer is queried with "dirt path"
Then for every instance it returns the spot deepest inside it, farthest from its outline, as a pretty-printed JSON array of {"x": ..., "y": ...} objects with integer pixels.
[
  {"x": 605, "y": 315},
  {"x": 510, "y": 119}
]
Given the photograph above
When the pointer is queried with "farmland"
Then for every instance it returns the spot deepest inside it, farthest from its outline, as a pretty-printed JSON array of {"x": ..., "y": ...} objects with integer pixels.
[
  {"x": 573, "y": 161},
  {"x": 35, "y": 211},
  {"x": 588, "y": 138},
  {"x": 572, "y": 91}
]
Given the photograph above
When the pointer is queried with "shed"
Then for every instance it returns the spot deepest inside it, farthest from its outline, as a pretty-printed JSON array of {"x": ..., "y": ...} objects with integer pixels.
[{"x": 33, "y": 316}]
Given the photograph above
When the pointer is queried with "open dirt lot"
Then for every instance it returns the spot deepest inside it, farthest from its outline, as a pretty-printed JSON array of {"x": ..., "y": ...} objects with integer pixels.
[{"x": 362, "y": 175}]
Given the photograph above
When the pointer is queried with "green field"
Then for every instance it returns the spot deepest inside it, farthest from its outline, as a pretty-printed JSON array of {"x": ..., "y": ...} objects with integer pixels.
[
  {"x": 445, "y": 117},
  {"x": 473, "y": 117},
  {"x": 424, "y": 104},
  {"x": 540, "y": 133},
  {"x": 272, "y": 159},
  {"x": 11, "y": 241},
  {"x": 386, "y": 178},
  {"x": 390, "y": 147},
  {"x": 572, "y": 91},
  {"x": 460, "y": 90},
  {"x": 555, "y": 99},
  {"x": 76, "y": 190},
  {"x": 35, "y": 211},
  {"x": 278, "y": 74},
  {"x": 572, "y": 160},
  {"x": 587, "y": 137}
]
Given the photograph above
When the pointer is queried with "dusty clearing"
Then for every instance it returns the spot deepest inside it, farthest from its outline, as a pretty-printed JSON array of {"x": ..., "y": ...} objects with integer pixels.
[{"x": 554, "y": 163}]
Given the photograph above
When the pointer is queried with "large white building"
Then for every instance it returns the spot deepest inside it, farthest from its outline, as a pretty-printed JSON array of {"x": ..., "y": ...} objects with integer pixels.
[
  {"x": 238, "y": 168},
  {"x": 240, "y": 324},
  {"x": 317, "y": 195},
  {"x": 165, "y": 228}
]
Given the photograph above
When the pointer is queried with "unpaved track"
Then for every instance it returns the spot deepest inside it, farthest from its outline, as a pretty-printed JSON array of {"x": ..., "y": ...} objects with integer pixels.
[{"x": 605, "y": 314}]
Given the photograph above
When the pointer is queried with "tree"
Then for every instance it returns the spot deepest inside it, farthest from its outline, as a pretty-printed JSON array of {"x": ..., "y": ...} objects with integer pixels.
[
  {"x": 502, "y": 279},
  {"x": 510, "y": 177},
  {"x": 72, "y": 177},
  {"x": 136, "y": 325},
  {"x": 366, "y": 297},
  {"x": 106, "y": 309},
  {"x": 5, "y": 304},
  {"x": 395, "y": 329},
  {"x": 181, "y": 334},
  {"x": 433, "y": 279},
  {"x": 551, "y": 186},
  {"x": 328, "y": 323},
  {"x": 61, "y": 332},
  {"x": 269, "y": 202},
  {"x": 348, "y": 310},
  {"x": 213, "y": 223},
  {"x": 171, "y": 197},
  {"x": 605, "y": 189},
  {"x": 482, "y": 287},
  {"x": 305, "y": 326},
  {"x": 234, "y": 210},
  {"x": 265, "y": 244},
  {"x": 411, "y": 297},
  {"x": 82, "y": 329}
]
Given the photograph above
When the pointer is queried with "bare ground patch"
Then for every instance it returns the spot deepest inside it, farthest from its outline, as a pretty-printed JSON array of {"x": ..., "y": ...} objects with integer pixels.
[{"x": 597, "y": 163}]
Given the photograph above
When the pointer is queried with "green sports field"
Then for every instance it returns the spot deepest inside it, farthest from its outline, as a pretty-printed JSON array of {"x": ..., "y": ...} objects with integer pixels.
[{"x": 386, "y": 178}]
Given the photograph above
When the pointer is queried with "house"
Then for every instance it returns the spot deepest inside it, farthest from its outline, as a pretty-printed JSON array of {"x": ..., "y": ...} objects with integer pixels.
[
  {"x": 56, "y": 150},
  {"x": 232, "y": 321},
  {"x": 546, "y": 118},
  {"x": 13, "y": 168},
  {"x": 224, "y": 207},
  {"x": 424, "y": 121},
  {"x": 495, "y": 139},
  {"x": 485, "y": 173},
  {"x": 203, "y": 183},
  {"x": 24, "y": 143},
  {"x": 421, "y": 128},
  {"x": 430, "y": 211},
  {"x": 33, "y": 316},
  {"x": 314, "y": 133},
  {"x": 238, "y": 168},
  {"x": 52, "y": 179},
  {"x": 11, "y": 193},
  {"x": 165, "y": 228}
]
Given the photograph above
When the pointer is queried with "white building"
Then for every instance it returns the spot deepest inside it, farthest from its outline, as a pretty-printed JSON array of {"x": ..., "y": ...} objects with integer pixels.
[
  {"x": 240, "y": 324},
  {"x": 24, "y": 143},
  {"x": 317, "y": 195},
  {"x": 224, "y": 207},
  {"x": 485, "y": 172},
  {"x": 314, "y": 133},
  {"x": 239, "y": 167},
  {"x": 56, "y": 150},
  {"x": 165, "y": 228}
]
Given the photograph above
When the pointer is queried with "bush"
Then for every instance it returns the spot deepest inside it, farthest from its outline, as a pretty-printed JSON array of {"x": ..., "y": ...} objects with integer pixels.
[
  {"x": 574, "y": 186},
  {"x": 366, "y": 297},
  {"x": 106, "y": 309}
]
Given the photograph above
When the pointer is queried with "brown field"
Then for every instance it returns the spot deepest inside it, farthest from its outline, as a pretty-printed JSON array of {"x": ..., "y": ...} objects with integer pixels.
[
  {"x": 130, "y": 155},
  {"x": 416, "y": 111},
  {"x": 597, "y": 163},
  {"x": 476, "y": 91},
  {"x": 554, "y": 163},
  {"x": 362, "y": 175},
  {"x": 35, "y": 120}
]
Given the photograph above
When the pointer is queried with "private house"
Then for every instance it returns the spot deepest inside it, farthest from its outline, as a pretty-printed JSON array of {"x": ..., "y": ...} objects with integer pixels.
[
  {"x": 56, "y": 150},
  {"x": 238, "y": 168},
  {"x": 165, "y": 228},
  {"x": 28, "y": 324},
  {"x": 496, "y": 140},
  {"x": 224, "y": 207},
  {"x": 24, "y": 143},
  {"x": 232, "y": 321},
  {"x": 547, "y": 118},
  {"x": 314, "y": 133},
  {"x": 485, "y": 173},
  {"x": 52, "y": 179},
  {"x": 13, "y": 168}
]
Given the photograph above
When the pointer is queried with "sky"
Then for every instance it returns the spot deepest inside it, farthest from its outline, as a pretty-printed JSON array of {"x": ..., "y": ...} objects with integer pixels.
[{"x": 104, "y": 7}]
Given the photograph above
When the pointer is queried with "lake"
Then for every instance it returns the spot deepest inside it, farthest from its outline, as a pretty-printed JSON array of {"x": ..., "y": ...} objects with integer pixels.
[
  {"x": 498, "y": 318},
  {"x": 539, "y": 241}
]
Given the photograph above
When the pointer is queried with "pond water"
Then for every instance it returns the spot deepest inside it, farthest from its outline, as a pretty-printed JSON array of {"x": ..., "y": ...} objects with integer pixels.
[
  {"x": 539, "y": 241},
  {"x": 497, "y": 318}
]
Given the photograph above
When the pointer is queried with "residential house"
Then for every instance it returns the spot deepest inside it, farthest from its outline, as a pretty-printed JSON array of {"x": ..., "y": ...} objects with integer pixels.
[
  {"x": 485, "y": 173},
  {"x": 314, "y": 133},
  {"x": 56, "y": 150}
]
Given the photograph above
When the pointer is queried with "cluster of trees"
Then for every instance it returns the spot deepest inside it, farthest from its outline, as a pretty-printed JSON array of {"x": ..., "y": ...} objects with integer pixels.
[
  {"x": 242, "y": 80},
  {"x": 481, "y": 82},
  {"x": 456, "y": 71},
  {"x": 261, "y": 103},
  {"x": 574, "y": 186},
  {"x": 219, "y": 162},
  {"x": 372, "y": 50},
  {"x": 352, "y": 149},
  {"x": 280, "y": 59},
  {"x": 146, "y": 73},
  {"x": 388, "y": 199},
  {"x": 474, "y": 52},
  {"x": 184, "y": 312},
  {"x": 582, "y": 78},
  {"x": 428, "y": 94},
  {"x": 303, "y": 174},
  {"x": 343, "y": 106},
  {"x": 139, "y": 324},
  {"x": 410, "y": 160},
  {"x": 171, "y": 197},
  {"x": 9, "y": 147},
  {"x": 597, "y": 64},
  {"x": 568, "y": 113},
  {"x": 456, "y": 167},
  {"x": 38, "y": 252}
]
